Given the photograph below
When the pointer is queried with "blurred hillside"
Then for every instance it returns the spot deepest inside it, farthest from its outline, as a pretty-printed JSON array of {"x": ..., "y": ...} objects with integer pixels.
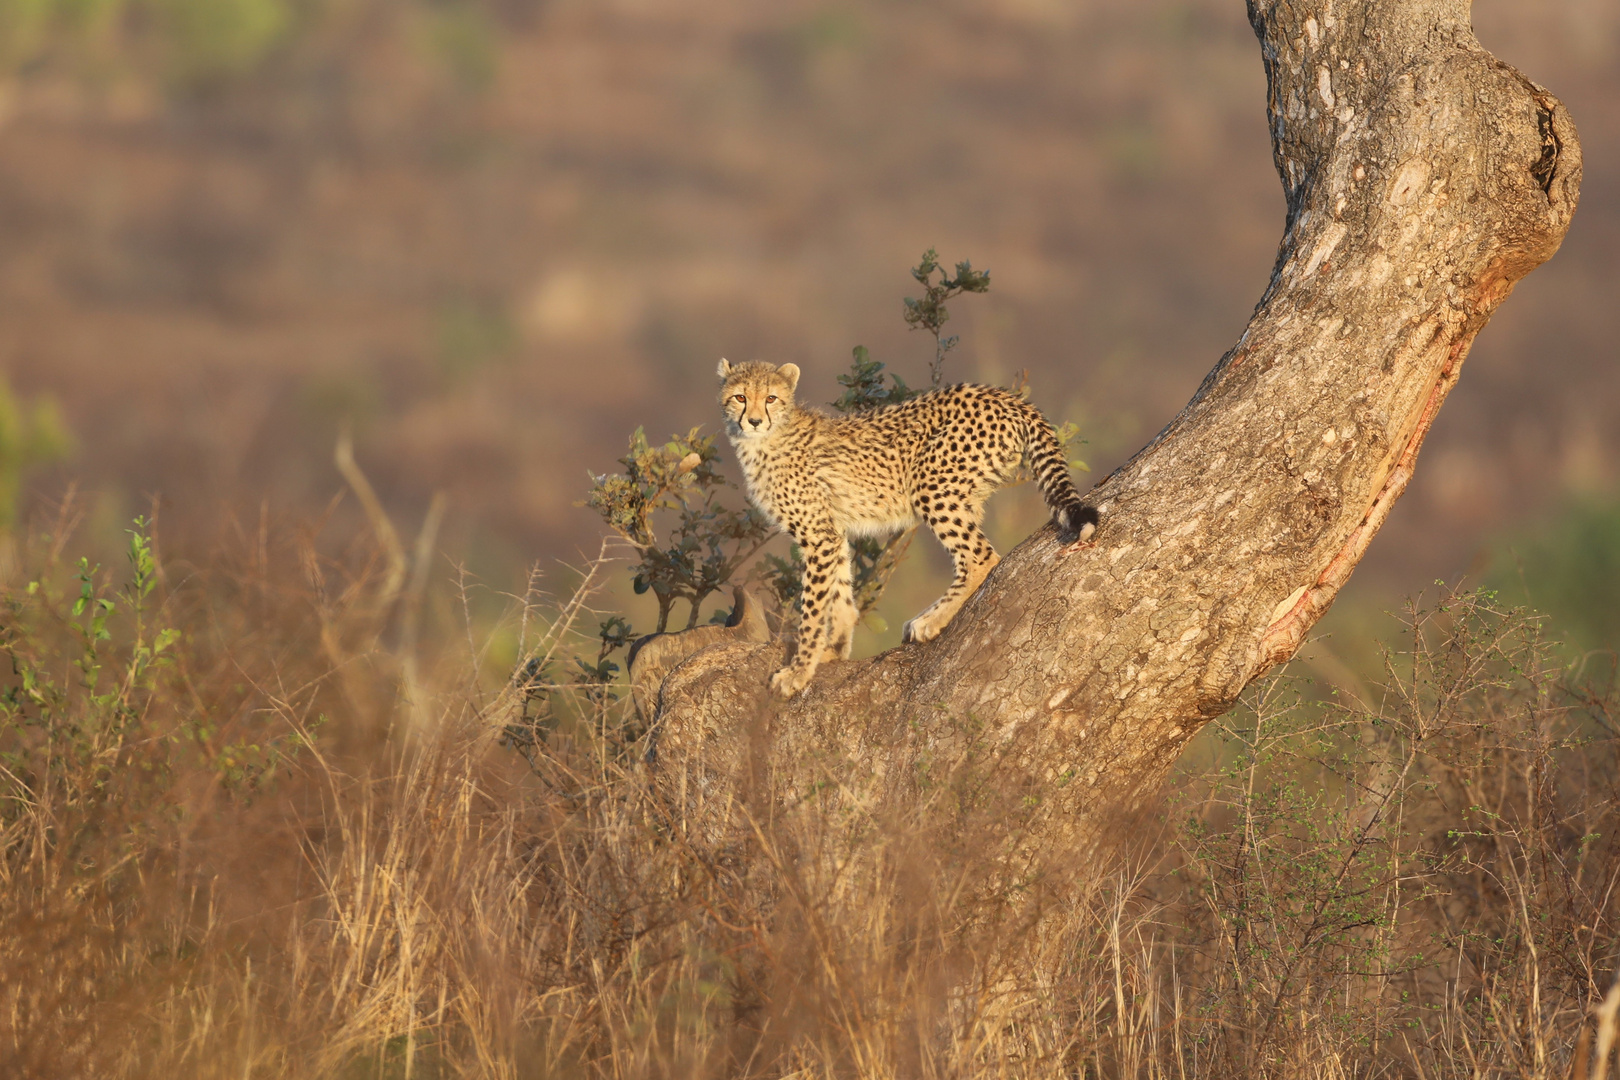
[{"x": 495, "y": 235}]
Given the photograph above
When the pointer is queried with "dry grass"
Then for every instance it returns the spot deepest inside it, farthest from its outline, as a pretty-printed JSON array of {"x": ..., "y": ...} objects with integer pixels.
[{"x": 279, "y": 848}]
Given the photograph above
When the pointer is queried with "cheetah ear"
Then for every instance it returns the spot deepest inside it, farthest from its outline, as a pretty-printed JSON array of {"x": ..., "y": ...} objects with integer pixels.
[
  {"x": 725, "y": 369},
  {"x": 790, "y": 372}
]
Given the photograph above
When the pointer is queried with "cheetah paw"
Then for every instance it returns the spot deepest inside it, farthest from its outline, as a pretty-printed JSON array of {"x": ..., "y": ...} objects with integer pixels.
[
  {"x": 789, "y": 681},
  {"x": 917, "y": 632}
]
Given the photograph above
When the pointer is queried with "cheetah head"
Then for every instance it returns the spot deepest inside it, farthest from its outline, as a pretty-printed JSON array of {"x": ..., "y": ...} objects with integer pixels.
[{"x": 756, "y": 397}]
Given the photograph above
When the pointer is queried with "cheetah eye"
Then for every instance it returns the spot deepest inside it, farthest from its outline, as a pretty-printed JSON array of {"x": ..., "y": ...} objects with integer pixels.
[
  {"x": 770, "y": 399},
  {"x": 740, "y": 397}
]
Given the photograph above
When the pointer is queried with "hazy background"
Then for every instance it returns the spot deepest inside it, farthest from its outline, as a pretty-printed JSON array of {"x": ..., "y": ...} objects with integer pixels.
[{"x": 493, "y": 236}]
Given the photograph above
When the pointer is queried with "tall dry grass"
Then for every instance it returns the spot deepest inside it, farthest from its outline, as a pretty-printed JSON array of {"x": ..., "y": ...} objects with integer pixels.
[{"x": 300, "y": 839}]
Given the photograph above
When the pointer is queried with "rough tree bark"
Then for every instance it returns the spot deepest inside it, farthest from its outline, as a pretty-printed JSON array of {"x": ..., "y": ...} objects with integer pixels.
[{"x": 1424, "y": 178}]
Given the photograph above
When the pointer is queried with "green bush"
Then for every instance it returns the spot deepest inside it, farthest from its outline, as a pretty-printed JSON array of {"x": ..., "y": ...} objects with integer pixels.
[
  {"x": 188, "y": 44},
  {"x": 31, "y": 434},
  {"x": 215, "y": 39},
  {"x": 192, "y": 41},
  {"x": 1570, "y": 570},
  {"x": 462, "y": 38}
]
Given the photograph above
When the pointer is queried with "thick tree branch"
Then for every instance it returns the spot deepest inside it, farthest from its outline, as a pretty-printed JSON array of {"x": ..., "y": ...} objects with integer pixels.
[{"x": 1423, "y": 179}]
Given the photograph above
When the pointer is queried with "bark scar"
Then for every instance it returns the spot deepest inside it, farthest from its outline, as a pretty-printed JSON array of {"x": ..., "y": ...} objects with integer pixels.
[{"x": 1290, "y": 625}]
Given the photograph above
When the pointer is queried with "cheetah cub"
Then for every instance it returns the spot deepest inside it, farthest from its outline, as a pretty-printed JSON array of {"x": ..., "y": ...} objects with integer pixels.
[{"x": 935, "y": 458}]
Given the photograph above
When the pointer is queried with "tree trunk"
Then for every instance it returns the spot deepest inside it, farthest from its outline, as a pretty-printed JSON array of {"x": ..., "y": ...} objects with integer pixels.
[{"x": 1423, "y": 179}]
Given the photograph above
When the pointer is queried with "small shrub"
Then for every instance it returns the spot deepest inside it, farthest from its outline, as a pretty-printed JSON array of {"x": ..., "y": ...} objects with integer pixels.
[
  {"x": 1388, "y": 879},
  {"x": 706, "y": 542}
]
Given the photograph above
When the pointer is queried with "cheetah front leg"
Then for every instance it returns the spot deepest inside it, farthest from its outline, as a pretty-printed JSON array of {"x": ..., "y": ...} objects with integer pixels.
[
  {"x": 826, "y": 563},
  {"x": 842, "y": 614},
  {"x": 958, "y": 529}
]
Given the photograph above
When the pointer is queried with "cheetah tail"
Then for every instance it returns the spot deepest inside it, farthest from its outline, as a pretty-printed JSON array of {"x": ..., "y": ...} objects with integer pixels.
[{"x": 1069, "y": 511}]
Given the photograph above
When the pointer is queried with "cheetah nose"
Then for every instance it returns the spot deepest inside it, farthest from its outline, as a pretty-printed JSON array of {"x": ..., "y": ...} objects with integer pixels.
[{"x": 755, "y": 421}]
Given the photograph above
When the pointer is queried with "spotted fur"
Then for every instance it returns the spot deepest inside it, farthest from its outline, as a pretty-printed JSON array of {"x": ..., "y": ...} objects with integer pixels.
[{"x": 935, "y": 458}]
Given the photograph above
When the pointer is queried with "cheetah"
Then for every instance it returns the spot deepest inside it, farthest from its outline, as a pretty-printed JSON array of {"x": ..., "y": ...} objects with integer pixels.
[{"x": 934, "y": 458}]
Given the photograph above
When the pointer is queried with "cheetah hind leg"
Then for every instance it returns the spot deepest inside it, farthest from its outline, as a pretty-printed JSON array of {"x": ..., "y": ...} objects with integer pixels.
[
  {"x": 932, "y": 622},
  {"x": 974, "y": 558}
]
